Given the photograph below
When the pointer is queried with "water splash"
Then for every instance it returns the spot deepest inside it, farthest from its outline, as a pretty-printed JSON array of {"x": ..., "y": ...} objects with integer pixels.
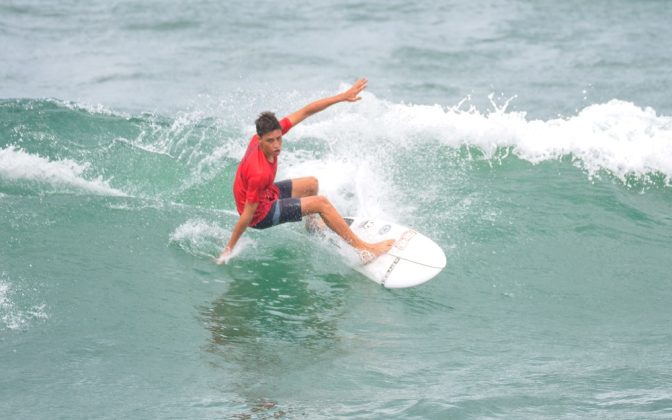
[
  {"x": 13, "y": 317},
  {"x": 199, "y": 237}
]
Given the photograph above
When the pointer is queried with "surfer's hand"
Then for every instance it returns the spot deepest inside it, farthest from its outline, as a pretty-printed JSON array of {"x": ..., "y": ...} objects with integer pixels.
[
  {"x": 352, "y": 94},
  {"x": 224, "y": 256}
]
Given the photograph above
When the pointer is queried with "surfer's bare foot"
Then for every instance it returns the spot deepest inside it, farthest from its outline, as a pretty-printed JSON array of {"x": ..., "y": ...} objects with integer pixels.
[{"x": 371, "y": 251}]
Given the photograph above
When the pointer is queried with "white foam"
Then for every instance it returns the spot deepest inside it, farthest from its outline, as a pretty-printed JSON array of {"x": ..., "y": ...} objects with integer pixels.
[
  {"x": 90, "y": 108},
  {"x": 352, "y": 169},
  {"x": 11, "y": 316},
  {"x": 59, "y": 175},
  {"x": 353, "y": 184},
  {"x": 195, "y": 230},
  {"x": 616, "y": 136}
]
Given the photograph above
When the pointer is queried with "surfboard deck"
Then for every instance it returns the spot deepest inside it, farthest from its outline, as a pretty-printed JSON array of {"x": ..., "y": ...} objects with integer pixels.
[{"x": 413, "y": 260}]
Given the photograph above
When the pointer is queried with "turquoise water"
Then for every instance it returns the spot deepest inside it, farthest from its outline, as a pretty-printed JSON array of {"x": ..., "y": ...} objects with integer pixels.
[{"x": 531, "y": 140}]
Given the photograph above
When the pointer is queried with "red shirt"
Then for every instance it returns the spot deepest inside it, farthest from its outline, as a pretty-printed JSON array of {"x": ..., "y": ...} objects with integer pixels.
[{"x": 255, "y": 176}]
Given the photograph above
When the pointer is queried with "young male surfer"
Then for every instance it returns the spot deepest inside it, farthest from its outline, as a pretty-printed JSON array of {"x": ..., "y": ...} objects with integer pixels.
[{"x": 262, "y": 203}]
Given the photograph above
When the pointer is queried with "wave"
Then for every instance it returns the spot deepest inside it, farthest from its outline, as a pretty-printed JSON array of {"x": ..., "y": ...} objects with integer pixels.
[
  {"x": 191, "y": 156},
  {"x": 28, "y": 170},
  {"x": 617, "y": 137},
  {"x": 108, "y": 152}
]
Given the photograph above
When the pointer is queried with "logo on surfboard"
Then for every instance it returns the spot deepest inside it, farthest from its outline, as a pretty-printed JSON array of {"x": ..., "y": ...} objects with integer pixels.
[
  {"x": 405, "y": 238},
  {"x": 383, "y": 230},
  {"x": 367, "y": 224}
]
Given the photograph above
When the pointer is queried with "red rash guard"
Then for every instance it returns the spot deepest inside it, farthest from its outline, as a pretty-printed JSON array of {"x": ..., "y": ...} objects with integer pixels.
[{"x": 255, "y": 176}]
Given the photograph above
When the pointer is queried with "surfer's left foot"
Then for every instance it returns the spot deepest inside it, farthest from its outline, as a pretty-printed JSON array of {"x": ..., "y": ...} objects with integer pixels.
[{"x": 371, "y": 251}]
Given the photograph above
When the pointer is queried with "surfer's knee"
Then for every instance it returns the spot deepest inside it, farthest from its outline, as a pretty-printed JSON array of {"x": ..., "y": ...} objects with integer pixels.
[
  {"x": 315, "y": 204},
  {"x": 313, "y": 185},
  {"x": 323, "y": 205},
  {"x": 323, "y": 202}
]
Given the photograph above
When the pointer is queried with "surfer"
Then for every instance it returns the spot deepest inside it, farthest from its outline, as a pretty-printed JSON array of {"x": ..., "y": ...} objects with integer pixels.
[{"x": 263, "y": 203}]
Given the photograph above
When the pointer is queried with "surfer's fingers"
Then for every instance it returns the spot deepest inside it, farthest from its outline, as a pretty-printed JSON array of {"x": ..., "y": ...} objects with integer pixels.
[{"x": 222, "y": 259}]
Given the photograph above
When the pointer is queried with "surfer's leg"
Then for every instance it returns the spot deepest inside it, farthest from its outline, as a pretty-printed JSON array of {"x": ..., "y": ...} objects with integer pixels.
[
  {"x": 304, "y": 187},
  {"x": 322, "y": 206},
  {"x": 282, "y": 211}
]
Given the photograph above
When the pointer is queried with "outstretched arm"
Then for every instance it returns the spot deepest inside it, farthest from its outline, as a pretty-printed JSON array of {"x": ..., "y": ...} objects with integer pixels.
[{"x": 350, "y": 95}]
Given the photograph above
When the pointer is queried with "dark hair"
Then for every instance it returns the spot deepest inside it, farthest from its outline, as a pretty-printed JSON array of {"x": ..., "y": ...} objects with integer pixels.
[{"x": 266, "y": 123}]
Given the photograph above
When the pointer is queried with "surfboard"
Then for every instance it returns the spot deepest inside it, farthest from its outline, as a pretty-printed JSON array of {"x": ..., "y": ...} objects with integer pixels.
[{"x": 414, "y": 259}]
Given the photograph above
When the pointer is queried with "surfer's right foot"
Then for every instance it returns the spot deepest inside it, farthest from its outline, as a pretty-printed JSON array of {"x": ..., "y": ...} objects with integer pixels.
[{"x": 371, "y": 251}]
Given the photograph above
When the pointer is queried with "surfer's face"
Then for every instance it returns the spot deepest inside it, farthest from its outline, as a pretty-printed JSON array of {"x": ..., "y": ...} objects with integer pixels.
[{"x": 271, "y": 143}]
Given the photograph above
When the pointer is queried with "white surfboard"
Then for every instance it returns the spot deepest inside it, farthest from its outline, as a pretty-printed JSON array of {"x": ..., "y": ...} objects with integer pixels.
[{"x": 413, "y": 260}]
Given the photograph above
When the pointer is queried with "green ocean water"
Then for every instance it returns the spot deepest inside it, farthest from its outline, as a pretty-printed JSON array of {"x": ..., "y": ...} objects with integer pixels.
[{"x": 536, "y": 157}]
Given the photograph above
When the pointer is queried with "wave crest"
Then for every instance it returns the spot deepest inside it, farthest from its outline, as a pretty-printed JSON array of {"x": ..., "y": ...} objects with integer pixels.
[{"x": 617, "y": 136}]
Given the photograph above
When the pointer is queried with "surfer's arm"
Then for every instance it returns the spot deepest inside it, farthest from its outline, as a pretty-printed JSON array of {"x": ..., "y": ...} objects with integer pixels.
[
  {"x": 238, "y": 230},
  {"x": 350, "y": 95}
]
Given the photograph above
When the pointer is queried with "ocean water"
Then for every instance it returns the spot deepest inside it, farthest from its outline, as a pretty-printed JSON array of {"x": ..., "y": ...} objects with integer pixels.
[{"x": 532, "y": 140}]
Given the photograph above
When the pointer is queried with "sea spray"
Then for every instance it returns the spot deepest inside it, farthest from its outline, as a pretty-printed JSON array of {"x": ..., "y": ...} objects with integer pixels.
[{"x": 199, "y": 237}]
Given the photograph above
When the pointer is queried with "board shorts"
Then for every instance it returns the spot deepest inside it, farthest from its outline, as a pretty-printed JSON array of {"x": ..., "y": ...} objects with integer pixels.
[{"x": 284, "y": 209}]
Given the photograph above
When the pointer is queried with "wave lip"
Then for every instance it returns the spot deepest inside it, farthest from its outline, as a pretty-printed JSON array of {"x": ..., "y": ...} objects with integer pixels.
[
  {"x": 616, "y": 136},
  {"x": 64, "y": 175}
]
